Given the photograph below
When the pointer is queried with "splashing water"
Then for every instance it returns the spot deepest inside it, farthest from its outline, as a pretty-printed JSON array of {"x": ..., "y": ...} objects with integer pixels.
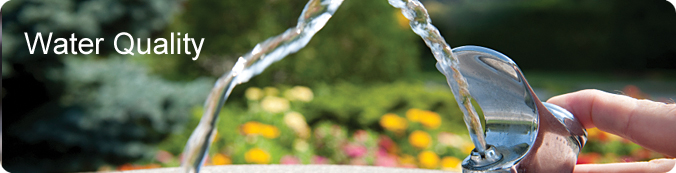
[
  {"x": 315, "y": 15},
  {"x": 447, "y": 63}
]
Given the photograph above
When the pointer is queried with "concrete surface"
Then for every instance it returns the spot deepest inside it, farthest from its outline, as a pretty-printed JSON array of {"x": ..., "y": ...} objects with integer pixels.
[{"x": 296, "y": 168}]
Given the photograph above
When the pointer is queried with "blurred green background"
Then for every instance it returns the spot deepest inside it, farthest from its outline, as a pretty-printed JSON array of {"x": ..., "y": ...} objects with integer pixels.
[{"x": 107, "y": 111}]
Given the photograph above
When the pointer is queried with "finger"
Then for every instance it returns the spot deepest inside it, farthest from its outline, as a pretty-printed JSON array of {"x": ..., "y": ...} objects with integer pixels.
[
  {"x": 657, "y": 165},
  {"x": 647, "y": 123}
]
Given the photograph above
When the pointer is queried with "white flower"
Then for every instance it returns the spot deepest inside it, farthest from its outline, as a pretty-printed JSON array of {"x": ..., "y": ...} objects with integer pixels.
[
  {"x": 299, "y": 93},
  {"x": 274, "y": 104},
  {"x": 253, "y": 93},
  {"x": 296, "y": 121}
]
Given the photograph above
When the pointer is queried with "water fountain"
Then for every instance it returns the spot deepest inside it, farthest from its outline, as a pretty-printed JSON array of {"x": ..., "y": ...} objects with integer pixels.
[{"x": 522, "y": 134}]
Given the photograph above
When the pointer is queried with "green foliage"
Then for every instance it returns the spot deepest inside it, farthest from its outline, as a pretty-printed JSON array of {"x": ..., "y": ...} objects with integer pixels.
[
  {"x": 72, "y": 113},
  {"x": 361, "y": 43},
  {"x": 117, "y": 89},
  {"x": 360, "y": 106},
  {"x": 111, "y": 112},
  {"x": 90, "y": 19}
]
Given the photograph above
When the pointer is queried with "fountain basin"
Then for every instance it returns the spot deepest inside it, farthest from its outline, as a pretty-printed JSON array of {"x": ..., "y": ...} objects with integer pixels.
[{"x": 297, "y": 169}]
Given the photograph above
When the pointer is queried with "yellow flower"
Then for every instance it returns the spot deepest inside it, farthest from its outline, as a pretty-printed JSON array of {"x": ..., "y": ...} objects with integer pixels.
[
  {"x": 430, "y": 119},
  {"x": 614, "y": 137},
  {"x": 296, "y": 121},
  {"x": 257, "y": 156},
  {"x": 299, "y": 93},
  {"x": 394, "y": 123},
  {"x": 269, "y": 131},
  {"x": 467, "y": 147},
  {"x": 251, "y": 128},
  {"x": 274, "y": 104},
  {"x": 401, "y": 19},
  {"x": 256, "y": 128},
  {"x": 413, "y": 115},
  {"x": 451, "y": 164},
  {"x": 270, "y": 91},
  {"x": 428, "y": 160},
  {"x": 253, "y": 93},
  {"x": 595, "y": 133},
  {"x": 420, "y": 139},
  {"x": 407, "y": 160},
  {"x": 221, "y": 159}
]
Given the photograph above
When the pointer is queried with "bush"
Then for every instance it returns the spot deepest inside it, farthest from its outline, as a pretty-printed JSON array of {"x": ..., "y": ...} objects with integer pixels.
[
  {"x": 111, "y": 112},
  {"x": 361, "y": 43},
  {"x": 77, "y": 114},
  {"x": 359, "y": 106}
]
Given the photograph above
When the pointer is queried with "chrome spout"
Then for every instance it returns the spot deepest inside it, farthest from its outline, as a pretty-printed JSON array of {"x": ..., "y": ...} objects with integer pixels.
[{"x": 527, "y": 135}]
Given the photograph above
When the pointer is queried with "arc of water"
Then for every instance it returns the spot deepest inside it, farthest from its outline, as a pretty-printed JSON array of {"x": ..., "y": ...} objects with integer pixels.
[
  {"x": 421, "y": 24},
  {"x": 313, "y": 18}
]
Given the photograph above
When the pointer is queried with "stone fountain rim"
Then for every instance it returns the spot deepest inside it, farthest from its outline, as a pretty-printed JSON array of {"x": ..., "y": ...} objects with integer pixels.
[{"x": 274, "y": 168}]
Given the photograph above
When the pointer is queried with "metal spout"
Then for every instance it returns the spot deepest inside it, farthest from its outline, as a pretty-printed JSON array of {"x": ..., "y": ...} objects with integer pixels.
[{"x": 527, "y": 134}]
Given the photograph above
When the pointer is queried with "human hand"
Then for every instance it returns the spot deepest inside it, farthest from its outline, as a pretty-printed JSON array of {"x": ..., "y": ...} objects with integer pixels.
[{"x": 646, "y": 123}]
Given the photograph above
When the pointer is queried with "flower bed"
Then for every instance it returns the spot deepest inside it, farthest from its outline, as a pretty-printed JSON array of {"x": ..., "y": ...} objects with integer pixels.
[{"x": 396, "y": 125}]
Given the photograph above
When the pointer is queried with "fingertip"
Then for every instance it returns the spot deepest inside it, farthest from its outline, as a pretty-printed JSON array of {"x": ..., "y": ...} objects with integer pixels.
[
  {"x": 578, "y": 103},
  {"x": 573, "y": 99},
  {"x": 560, "y": 100}
]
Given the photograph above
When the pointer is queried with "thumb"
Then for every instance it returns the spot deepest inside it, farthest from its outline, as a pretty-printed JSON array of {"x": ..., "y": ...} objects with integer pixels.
[{"x": 657, "y": 165}]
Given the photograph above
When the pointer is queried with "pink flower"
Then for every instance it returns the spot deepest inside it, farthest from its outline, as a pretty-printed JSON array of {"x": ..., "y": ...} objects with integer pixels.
[
  {"x": 319, "y": 160},
  {"x": 386, "y": 160},
  {"x": 387, "y": 143},
  {"x": 381, "y": 152},
  {"x": 289, "y": 160},
  {"x": 354, "y": 150}
]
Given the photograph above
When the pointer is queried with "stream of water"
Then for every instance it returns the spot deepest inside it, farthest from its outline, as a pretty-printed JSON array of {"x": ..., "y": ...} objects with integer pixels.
[
  {"x": 315, "y": 15},
  {"x": 421, "y": 24}
]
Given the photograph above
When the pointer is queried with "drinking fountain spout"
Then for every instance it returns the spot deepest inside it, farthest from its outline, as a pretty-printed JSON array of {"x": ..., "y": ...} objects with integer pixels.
[{"x": 522, "y": 134}]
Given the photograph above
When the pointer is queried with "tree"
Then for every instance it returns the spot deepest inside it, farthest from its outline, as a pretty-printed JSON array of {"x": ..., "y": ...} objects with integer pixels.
[
  {"x": 75, "y": 113},
  {"x": 361, "y": 43}
]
